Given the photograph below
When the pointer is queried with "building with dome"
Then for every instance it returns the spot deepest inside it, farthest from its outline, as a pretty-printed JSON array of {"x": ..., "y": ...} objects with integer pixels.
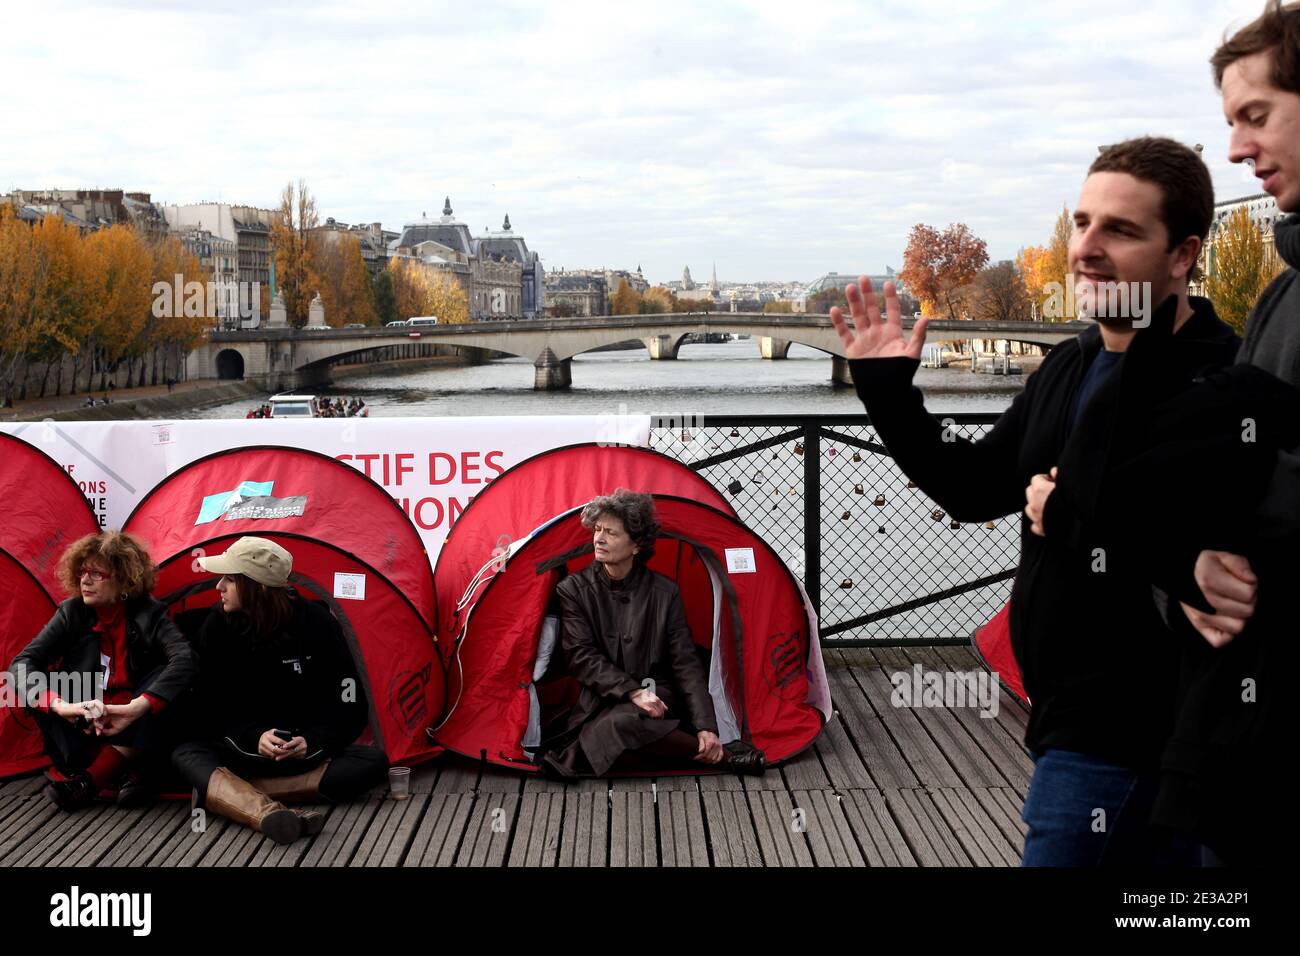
[
  {"x": 691, "y": 291},
  {"x": 509, "y": 246},
  {"x": 491, "y": 277}
]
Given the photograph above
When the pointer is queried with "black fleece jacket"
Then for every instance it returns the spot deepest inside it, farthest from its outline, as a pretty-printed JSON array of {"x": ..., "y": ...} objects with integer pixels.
[{"x": 295, "y": 681}]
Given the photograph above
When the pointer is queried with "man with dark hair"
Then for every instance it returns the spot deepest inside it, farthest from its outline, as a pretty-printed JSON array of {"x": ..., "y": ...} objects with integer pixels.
[
  {"x": 1098, "y": 662},
  {"x": 1222, "y": 780}
]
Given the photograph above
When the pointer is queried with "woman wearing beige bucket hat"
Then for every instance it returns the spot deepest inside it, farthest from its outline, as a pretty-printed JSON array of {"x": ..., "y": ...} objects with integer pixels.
[{"x": 280, "y": 698}]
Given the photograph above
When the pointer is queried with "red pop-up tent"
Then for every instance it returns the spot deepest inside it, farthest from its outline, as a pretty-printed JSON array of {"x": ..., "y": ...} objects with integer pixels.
[
  {"x": 343, "y": 506},
  {"x": 992, "y": 645},
  {"x": 353, "y": 548},
  {"x": 44, "y": 512},
  {"x": 535, "y": 491},
  {"x": 746, "y": 611}
]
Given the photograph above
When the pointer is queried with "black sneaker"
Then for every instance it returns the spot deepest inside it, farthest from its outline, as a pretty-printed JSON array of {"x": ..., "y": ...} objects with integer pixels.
[{"x": 73, "y": 793}]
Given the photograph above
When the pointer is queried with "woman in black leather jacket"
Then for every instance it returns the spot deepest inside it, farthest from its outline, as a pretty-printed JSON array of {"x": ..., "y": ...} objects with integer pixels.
[{"x": 108, "y": 709}]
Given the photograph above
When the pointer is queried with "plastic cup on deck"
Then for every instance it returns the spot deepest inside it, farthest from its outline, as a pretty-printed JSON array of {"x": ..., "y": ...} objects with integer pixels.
[{"x": 399, "y": 782}]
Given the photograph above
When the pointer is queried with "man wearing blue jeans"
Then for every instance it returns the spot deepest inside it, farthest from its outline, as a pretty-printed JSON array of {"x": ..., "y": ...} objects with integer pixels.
[
  {"x": 1099, "y": 665},
  {"x": 1070, "y": 787}
]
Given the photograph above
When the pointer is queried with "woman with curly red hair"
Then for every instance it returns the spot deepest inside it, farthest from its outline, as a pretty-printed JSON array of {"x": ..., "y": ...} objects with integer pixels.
[{"x": 121, "y": 664}]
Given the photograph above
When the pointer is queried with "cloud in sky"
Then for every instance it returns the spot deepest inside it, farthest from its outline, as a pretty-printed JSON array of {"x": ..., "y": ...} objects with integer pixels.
[{"x": 780, "y": 140}]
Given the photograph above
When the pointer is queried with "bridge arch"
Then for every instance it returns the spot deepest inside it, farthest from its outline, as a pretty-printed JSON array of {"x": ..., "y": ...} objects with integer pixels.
[
  {"x": 230, "y": 364},
  {"x": 780, "y": 345},
  {"x": 947, "y": 338}
]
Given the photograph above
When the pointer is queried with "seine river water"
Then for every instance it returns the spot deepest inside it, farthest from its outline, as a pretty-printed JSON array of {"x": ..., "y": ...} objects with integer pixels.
[{"x": 717, "y": 379}]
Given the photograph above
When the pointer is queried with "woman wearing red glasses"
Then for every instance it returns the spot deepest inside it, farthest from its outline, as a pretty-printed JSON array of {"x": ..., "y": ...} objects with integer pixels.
[{"x": 101, "y": 674}]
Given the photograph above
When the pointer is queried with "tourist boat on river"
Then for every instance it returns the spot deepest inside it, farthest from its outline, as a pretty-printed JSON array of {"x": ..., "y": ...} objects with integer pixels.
[{"x": 310, "y": 406}]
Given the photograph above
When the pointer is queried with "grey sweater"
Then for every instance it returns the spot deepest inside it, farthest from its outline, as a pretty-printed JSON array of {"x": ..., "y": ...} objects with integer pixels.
[
  {"x": 1272, "y": 343},
  {"x": 1272, "y": 340}
]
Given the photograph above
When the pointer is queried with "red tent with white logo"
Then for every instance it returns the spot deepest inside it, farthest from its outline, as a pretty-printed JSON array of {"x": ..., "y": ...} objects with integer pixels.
[
  {"x": 753, "y": 625},
  {"x": 353, "y": 549},
  {"x": 44, "y": 512}
]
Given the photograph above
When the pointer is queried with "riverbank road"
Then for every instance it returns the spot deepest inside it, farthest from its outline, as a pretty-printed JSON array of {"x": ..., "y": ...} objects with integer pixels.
[{"x": 35, "y": 409}]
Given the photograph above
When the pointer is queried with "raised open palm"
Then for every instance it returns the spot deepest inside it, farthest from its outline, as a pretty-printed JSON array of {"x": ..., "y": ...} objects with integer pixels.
[{"x": 871, "y": 335}]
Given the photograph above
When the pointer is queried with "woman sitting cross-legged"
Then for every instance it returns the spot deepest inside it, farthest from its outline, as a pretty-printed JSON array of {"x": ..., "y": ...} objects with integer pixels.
[
  {"x": 645, "y": 701},
  {"x": 109, "y": 718},
  {"x": 281, "y": 700}
]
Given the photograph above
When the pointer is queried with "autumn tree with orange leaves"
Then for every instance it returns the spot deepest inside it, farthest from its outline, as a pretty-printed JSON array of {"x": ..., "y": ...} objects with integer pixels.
[
  {"x": 295, "y": 247},
  {"x": 626, "y": 301},
  {"x": 1057, "y": 267},
  {"x": 345, "y": 287},
  {"x": 1032, "y": 263},
  {"x": 121, "y": 273},
  {"x": 87, "y": 301},
  {"x": 167, "y": 338},
  {"x": 421, "y": 290},
  {"x": 936, "y": 264},
  {"x": 1241, "y": 265}
]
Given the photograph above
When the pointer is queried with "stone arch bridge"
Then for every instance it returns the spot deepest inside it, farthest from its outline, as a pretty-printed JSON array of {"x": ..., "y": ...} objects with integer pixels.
[{"x": 295, "y": 358}]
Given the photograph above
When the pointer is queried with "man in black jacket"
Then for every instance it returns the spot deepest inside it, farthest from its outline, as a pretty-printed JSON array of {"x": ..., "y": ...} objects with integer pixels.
[{"x": 1098, "y": 664}]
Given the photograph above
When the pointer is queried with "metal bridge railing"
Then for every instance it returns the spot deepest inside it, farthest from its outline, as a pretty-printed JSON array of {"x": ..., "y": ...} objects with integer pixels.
[{"x": 882, "y": 563}]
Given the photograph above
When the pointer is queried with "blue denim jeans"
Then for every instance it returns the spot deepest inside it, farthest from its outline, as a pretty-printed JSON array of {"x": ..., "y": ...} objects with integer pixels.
[{"x": 1082, "y": 811}]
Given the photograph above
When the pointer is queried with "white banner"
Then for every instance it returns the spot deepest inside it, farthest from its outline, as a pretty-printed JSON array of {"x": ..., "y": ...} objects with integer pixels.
[{"x": 433, "y": 467}]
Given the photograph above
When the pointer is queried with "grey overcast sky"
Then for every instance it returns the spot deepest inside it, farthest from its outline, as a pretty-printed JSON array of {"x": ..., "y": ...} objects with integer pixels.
[{"x": 782, "y": 139}]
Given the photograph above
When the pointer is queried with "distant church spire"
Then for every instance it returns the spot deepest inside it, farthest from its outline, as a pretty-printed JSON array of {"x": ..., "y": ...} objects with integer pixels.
[{"x": 714, "y": 284}]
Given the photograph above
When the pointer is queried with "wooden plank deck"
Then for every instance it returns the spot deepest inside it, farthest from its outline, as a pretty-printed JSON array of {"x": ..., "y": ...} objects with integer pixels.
[{"x": 882, "y": 786}]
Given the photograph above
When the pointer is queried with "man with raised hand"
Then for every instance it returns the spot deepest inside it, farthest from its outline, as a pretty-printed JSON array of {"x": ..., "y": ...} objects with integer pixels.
[{"x": 1098, "y": 662}]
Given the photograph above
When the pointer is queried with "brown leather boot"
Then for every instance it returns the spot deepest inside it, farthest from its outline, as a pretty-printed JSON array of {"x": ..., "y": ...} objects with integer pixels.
[
  {"x": 313, "y": 821},
  {"x": 236, "y": 799},
  {"x": 300, "y": 788}
]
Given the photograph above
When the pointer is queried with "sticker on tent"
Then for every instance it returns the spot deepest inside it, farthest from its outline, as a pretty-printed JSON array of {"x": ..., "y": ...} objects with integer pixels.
[
  {"x": 214, "y": 506},
  {"x": 741, "y": 561},
  {"x": 349, "y": 587},
  {"x": 268, "y": 507}
]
